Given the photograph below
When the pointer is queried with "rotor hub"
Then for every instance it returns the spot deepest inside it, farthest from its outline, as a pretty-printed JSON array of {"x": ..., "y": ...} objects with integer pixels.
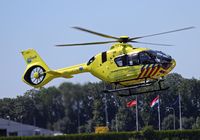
[
  {"x": 123, "y": 39},
  {"x": 36, "y": 75}
]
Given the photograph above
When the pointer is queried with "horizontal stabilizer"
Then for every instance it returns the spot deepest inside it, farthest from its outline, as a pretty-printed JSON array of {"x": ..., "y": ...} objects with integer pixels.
[{"x": 58, "y": 74}]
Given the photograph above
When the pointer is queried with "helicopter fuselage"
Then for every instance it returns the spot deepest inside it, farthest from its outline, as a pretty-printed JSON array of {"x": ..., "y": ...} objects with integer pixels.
[
  {"x": 126, "y": 65},
  {"x": 122, "y": 64}
]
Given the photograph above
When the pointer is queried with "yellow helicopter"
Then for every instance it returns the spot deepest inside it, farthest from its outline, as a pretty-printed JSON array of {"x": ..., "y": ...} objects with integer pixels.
[{"x": 122, "y": 64}]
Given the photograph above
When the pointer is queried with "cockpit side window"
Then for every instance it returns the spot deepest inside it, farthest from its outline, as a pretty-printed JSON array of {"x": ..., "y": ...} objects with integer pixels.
[
  {"x": 121, "y": 61},
  {"x": 145, "y": 58},
  {"x": 133, "y": 59},
  {"x": 127, "y": 60},
  {"x": 91, "y": 60}
]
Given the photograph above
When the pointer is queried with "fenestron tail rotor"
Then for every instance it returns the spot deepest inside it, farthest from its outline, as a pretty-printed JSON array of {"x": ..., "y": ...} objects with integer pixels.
[
  {"x": 37, "y": 75},
  {"x": 122, "y": 39}
]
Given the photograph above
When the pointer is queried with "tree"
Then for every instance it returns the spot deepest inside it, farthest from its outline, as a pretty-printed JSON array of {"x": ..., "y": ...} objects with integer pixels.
[
  {"x": 196, "y": 125},
  {"x": 73, "y": 108},
  {"x": 168, "y": 122},
  {"x": 187, "y": 122}
]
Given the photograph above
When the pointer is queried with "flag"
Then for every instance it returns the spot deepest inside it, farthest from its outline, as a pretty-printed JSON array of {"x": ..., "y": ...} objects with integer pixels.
[
  {"x": 174, "y": 103},
  {"x": 131, "y": 103},
  {"x": 154, "y": 102}
]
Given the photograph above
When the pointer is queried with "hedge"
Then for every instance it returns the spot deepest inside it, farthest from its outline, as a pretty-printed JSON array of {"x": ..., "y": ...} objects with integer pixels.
[{"x": 142, "y": 135}]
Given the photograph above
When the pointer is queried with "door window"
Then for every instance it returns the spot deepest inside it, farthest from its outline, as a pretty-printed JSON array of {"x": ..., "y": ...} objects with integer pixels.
[{"x": 145, "y": 58}]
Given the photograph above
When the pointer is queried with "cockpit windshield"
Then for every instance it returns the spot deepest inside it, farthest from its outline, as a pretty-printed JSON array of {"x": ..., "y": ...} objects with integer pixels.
[
  {"x": 144, "y": 57},
  {"x": 159, "y": 56}
]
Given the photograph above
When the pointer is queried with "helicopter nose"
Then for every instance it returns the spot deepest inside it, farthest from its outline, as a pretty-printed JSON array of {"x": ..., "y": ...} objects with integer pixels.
[
  {"x": 168, "y": 66},
  {"x": 173, "y": 64}
]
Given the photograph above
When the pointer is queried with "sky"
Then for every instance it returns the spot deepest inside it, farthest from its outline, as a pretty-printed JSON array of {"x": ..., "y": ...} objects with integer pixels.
[{"x": 41, "y": 24}]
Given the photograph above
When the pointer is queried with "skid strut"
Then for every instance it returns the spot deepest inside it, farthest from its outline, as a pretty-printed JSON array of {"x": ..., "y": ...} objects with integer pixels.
[{"x": 138, "y": 86}]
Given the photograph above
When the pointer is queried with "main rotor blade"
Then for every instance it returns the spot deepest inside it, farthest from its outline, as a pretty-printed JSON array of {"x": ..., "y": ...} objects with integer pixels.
[
  {"x": 89, "y": 43},
  {"x": 96, "y": 33},
  {"x": 148, "y": 43},
  {"x": 187, "y": 28}
]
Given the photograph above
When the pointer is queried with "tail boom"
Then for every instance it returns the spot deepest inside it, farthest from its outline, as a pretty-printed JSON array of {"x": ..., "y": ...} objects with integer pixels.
[{"x": 37, "y": 73}]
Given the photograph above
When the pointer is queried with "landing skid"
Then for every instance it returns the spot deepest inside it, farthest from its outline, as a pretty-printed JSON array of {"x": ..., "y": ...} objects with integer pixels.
[{"x": 138, "y": 86}]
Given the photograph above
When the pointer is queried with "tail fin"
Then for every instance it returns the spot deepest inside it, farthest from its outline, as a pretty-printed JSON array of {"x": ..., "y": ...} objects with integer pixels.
[{"x": 37, "y": 72}]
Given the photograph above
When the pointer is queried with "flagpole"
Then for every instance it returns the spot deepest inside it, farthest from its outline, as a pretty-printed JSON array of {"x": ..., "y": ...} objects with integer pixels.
[
  {"x": 106, "y": 110},
  {"x": 131, "y": 104},
  {"x": 116, "y": 123},
  {"x": 180, "y": 117},
  {"x": 136, "y": 114},
  {"x": 159, "y": 112}
]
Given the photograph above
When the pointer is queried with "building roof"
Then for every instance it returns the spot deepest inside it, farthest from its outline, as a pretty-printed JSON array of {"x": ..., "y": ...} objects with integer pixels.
[{"x": 23, "y": 129}]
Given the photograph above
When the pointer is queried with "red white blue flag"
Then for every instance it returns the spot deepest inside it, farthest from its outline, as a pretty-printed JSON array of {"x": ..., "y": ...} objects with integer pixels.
[
  {"x": 154, "y": 102},
  {"x": 131, "y": 103}
]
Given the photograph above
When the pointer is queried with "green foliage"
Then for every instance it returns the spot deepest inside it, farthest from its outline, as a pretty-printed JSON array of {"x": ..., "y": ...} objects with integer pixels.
[
  {"x": 168, "y": 122},
  {"x": 178, "y": 135},
  {"x": 188, "y": 122},
  {"x": 196, "y": 125},
  {"x": 72, "y": 108},
  {"x": 147, "y": 134}
]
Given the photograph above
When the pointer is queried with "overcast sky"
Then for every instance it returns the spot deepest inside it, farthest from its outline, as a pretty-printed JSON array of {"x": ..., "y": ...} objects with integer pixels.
[{"x": 40, "y": 24}]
